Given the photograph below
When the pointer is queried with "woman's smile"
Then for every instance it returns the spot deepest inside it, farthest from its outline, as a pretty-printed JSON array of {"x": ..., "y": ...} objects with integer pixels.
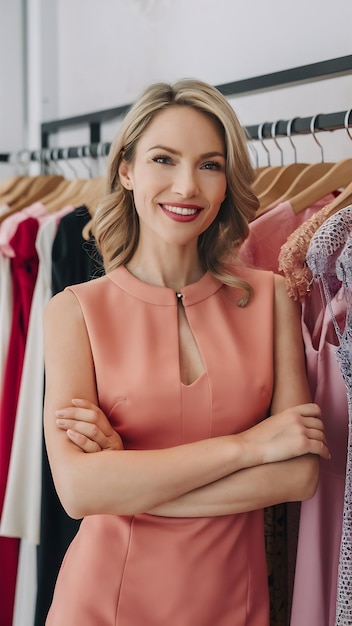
[{"x": 181, "y": 212}]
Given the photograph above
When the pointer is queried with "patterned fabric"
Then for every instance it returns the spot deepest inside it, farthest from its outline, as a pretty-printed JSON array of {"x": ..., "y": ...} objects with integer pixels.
[
  {"x": 329, "y": 258},
  {"x": 292, "y": 257}
]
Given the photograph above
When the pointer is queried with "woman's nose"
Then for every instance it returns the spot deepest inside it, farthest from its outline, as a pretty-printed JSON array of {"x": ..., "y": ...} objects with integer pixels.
[{"x": 185, "y": 182}]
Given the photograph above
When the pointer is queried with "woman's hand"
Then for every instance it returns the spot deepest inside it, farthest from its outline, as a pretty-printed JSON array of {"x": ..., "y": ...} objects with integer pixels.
[
  {"x": 88, "y": 427},
  {"x": 293, "y": 432}
]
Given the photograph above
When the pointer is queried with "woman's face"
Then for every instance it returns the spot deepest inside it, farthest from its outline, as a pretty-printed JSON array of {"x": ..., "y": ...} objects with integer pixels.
[{"x": 177, "y": 175}]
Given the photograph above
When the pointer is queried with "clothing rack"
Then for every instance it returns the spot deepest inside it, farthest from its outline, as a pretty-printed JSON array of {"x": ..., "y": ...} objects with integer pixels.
[{"x": 322, "y": 70}]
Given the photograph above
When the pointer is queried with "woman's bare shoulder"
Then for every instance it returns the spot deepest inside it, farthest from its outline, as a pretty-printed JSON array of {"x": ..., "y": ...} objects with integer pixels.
[{"x": 63, "y": 308}]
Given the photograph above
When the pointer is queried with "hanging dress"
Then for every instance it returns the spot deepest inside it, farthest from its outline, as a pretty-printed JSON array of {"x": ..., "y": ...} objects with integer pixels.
[
  {"x": 267, "y": 233},
  {"x": 73, "y": 260},
  {"x": 329, "y": 259},
  {"x": 24, "y": 268}
]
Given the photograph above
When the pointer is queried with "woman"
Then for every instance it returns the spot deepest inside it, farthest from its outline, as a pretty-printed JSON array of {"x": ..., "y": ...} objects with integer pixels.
[{"x": 159, "y": 376}]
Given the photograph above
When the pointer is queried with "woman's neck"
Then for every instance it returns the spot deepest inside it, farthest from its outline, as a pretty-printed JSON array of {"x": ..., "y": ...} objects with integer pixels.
[{"x": 168, "y": 270}]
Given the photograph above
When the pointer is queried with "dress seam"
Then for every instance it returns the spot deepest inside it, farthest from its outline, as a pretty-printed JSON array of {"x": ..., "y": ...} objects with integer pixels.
[{"x": 123, "y": 572}]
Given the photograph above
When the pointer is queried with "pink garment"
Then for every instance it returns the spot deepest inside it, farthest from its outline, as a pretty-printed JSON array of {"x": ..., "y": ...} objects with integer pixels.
[
  {"x": 329, "y": 258},
  {"x": 315, "y": 586},
  {"x": 269, "y": 232},
  {"x": 145, "y": 570}
]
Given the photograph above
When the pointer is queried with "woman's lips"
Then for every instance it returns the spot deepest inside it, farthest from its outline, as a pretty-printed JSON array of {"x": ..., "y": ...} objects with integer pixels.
[{"x": 181, "y": 212}]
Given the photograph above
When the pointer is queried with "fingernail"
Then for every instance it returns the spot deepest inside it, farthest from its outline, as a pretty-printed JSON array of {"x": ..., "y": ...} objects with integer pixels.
[
  {"x": 77, "y": 401},
  {"x": 60, "y": 413}
]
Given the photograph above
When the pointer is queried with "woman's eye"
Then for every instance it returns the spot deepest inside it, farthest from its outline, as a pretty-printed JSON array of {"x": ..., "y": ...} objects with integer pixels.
[
  {"x": 162, "y": 159},
  {"x": 212, "y": 165}
]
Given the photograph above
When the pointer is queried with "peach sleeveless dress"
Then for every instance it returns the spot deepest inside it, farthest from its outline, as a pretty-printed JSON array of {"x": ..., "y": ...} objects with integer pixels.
[{"x": 144, "y": 570}]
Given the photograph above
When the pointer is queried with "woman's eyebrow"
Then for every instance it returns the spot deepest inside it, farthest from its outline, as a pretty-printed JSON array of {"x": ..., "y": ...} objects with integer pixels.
[
  {"x": 206, "y": 155},
  {"x": 166, "y": 148}
]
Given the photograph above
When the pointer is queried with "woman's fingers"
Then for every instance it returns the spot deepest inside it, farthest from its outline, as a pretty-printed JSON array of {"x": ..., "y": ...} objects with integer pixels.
[
  {"x": 294, "y": 432},
  {"x": 310, "y": 409},
  {"x": 83, "y": 442},
  {"x": 313, "y": 422},
  {"x": 311, "y": 427},
  {"x": 85, "y": 429},
  {"x": 320, "y": 448},
  {"x": 85, "y": 411},
  {"x": 315, "y": 442},
  {"x": 315, "y": 433},
  {"x": 88, "y": 427}
]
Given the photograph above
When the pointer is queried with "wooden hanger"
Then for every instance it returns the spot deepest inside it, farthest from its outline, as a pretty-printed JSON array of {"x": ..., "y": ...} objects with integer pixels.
[
  {"x": 30, "y": 199},
  {"x": 30, "y": 190},
  {"x": 260, "y": 169},
  {"x": 264, "y": 178},
  {"x": 7, "y": 185},
  {"x": 41, "y": 186},
  {"x": 22, "y": 187},
  {"x": 66, "y": 193},
  {"x": 307, "y": 177},
  {"x": 80, "y": 191},
  {"x": 338, "y": 177},
  {"x": 57, "y": 194},
  {"x": 341, "y": 201},
  {"x": 263, "y": 174},
  {"x": 283, "y": 179},
  {"x": 77, "y": 192},
  {"x": 345, "y": 198}
]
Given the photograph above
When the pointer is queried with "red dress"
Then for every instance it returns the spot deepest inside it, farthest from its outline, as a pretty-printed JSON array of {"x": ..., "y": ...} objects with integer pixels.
[{"x": 24, "y": 268}]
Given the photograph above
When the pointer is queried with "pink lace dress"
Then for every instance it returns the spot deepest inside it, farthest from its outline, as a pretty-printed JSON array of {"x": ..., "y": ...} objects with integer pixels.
[{"x": 329, "y": 258}]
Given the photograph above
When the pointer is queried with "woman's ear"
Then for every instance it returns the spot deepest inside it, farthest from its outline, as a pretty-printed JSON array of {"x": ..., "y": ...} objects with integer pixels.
[{"x": 124, "y": 175}]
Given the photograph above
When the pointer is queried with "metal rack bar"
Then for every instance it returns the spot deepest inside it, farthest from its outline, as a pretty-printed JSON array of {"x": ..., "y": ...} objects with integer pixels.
[
  {"x": 299, "y": 75},
  {"x": 299, "y": 126}
]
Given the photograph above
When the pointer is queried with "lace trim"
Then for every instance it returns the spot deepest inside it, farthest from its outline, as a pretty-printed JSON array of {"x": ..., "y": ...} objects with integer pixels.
[{"x": 292, "y": 257}]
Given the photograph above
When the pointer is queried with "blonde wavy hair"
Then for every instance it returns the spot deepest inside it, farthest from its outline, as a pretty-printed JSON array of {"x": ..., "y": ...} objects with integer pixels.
[{"x": 116, "y": 223}]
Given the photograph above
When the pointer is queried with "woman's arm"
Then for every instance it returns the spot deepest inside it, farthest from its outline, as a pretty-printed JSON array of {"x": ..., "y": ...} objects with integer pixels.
[
  {"x": 264, "y": 485},
  {"x": 246, "y": 490},
  {"x": 126, "y": 481}
]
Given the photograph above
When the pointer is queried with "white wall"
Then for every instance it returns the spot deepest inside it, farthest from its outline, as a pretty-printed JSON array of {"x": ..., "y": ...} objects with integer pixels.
[
  {"x": 109, "y": 50},
  {"x": 12, "y": 111},
  {"x": 87, "y": 55}
]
